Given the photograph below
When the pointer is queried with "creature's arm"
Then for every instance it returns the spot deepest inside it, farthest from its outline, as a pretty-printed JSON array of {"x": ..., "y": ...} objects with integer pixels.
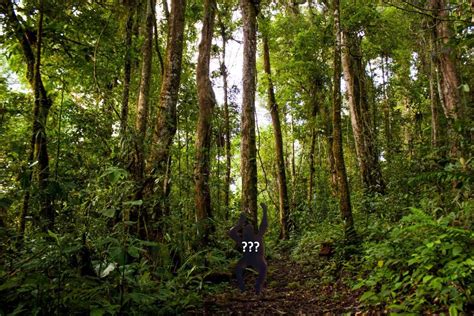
[
  {"x": 234, "y": 231},
  {"x": 264, "y": 223}
]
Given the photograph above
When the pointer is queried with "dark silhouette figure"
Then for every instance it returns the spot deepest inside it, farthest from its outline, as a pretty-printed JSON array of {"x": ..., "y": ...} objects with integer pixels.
[{"x": 251, "y": 244}]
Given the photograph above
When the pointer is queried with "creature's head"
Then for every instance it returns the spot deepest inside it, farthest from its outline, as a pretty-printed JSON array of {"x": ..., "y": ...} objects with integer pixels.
[{"x": 243, "y": 220}]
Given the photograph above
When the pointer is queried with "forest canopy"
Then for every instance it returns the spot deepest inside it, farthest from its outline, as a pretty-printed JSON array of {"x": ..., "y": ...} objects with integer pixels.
[{"x": 135, "y": 134}]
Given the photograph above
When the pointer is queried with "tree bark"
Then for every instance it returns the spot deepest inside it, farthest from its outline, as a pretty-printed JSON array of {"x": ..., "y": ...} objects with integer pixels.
[
  {"x": 314, "y": 112},
  {"x": 434, "y": 98},
  {"x": 165, "y": 128},
  {"x": 386, "y": 109},
  {"x": 42, "y": 104},
  {"x": 141, "y": 121},
  {"x": 311, "y": 168},
  {"x": 228, "y": 153},
  {"x": 248, "y": 167},
  {"x": 207, "y": 103},
  {"x": 343, "y": 187},
  {"x": 330, "y": 154},
  {"x": 280, "y": 161},
  {"x": 138, "y": 213},
  {"x": 127, "y": 69},
  {"x": 446, "y": 62},
  {"x": 364, "y": 136}
]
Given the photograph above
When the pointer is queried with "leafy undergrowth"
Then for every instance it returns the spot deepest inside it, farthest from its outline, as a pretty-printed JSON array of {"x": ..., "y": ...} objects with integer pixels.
[{"x": 291, "y": 288}]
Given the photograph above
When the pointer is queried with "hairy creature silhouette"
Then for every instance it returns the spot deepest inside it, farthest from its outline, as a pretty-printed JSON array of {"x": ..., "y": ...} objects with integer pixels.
[{"x": 243, "y": 233}]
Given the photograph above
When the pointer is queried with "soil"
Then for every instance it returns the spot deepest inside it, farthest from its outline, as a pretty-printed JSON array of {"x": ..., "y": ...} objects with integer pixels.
[{"x": 291, "y": 289}]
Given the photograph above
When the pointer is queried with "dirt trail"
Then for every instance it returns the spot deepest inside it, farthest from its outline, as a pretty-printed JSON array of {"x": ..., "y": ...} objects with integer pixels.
[{"x": 291, "y": 289}]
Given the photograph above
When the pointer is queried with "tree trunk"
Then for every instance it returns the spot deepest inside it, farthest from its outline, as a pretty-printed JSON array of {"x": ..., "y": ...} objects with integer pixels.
[
  {"x": 248, "y": 167},
  {"x": 127, "y": 69},
  {"x": 228, "y": 153},
  {"x": 434, "y": 100},
  {"x": 207, "y": 103},
  {"x": 138, "y": 214},
  {"x": 447, "y": 68},
  {"x": 311, "y": 168},
  {"x": 314, "y": 112},
  {"x": 42, "y": 104},
  {"x": 280, "y": 161},
  {"x": 165, "y": 128},
  {"x": 343, "y": 187},
  {"x": 143, "y": 93},
  {"x": 386, "y": 110},
  {"x": 364, "y": 136},
  {"x": 447, "y": 65},
  {"x": 330, "y": 154}
]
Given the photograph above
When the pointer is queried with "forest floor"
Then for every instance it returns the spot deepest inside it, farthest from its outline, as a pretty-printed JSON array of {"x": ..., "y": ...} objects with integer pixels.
[{"x": 291, "y": 289}]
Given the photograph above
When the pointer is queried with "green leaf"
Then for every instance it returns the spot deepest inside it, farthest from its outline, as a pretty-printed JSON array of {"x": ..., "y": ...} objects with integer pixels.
[
  {"x": 436, "y": 283},
  {"x": 149, "y": 243},
  {"x": 397, "y": 307},
  {"x": 134, "y": 251},
  {"x": 469, "y": 262},
  {"x": 110, "y": 212},
  {"x": 55, "y": 236},
  {"x": 19, "y": 310},
  {"x": 367, "y": 295},
  {"x": 115, "y": 174},
  {"x": 118, "y": 255},
  {"x": 97, "y": 312},
  {"x": 9, "y": 284},
  {"x": 457, "y": 250},
  {"x": 133, "y": 203},
  {"x": 453, "y": 310},
  {"x": 358, "y": 285}
]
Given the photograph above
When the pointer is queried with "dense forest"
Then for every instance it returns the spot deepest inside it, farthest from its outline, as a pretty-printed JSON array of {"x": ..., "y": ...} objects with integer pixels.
[{"x": 143, "y": 141}]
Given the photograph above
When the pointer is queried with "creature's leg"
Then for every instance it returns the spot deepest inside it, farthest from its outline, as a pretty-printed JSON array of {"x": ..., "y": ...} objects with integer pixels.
[
  {"x": 262, "y": 274},
  {"x": 239, "y": 272}
]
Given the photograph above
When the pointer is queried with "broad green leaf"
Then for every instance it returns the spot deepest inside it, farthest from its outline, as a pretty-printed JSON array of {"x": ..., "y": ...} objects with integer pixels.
[
  {"x": 110, "y": 212},
  {"x": 457, "y": 250},
  {"x": 453, "y": 311},
  {"x": 133, "y": 203},
  {"x": 427, "y": 278},
  {"x": 367, "y": 295},
  {"x": 134, "y": 251}
]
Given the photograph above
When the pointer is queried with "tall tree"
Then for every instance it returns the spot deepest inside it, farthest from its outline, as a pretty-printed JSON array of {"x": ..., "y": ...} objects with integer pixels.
[
  {"x": 141, "y": 121},
  {"x": 434, "y": 95},
  {"x": 449, "y": 74},
  {"x": 314, "y": 111},
  {"x": 343, "y": 186},
  {"x": 326, "y": 113},
  {"x": 42, "y": 104},
  {"x": 228, "y": 153},
  {"x": 362, "y": 125},
  {"x": 248, "y": 167},
  {"x": 165, "y": 128},
  {"x": 386, "y": 109},
  {"x": 207, "y": 103},
  {"x": 280, "y": 161},
  {"x": 127, "y": 69}
]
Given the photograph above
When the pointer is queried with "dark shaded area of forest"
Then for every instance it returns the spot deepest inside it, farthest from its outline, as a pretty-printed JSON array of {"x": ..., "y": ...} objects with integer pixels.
[{"x": 142, "y": 142}]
